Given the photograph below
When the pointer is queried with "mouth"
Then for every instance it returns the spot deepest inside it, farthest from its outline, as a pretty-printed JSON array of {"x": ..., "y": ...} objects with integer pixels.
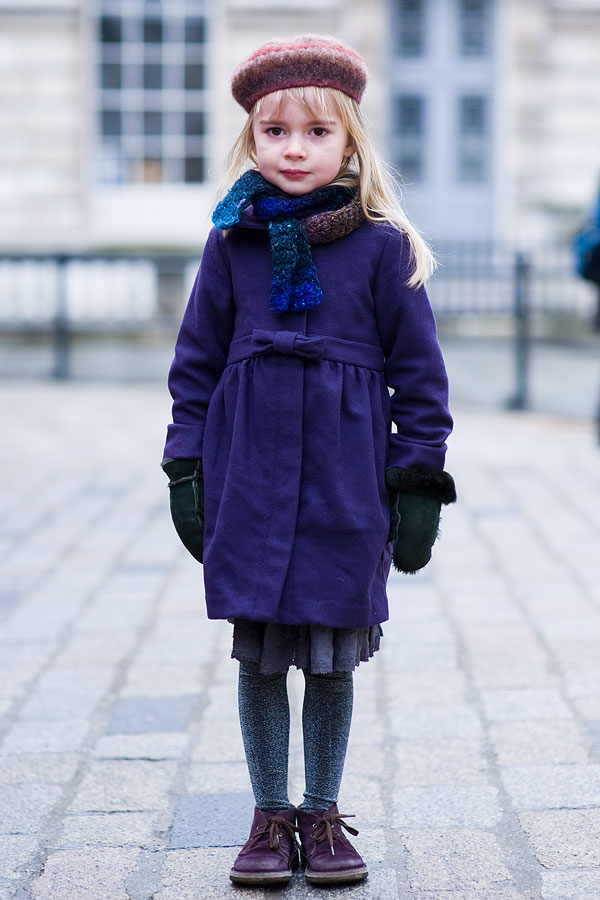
[{"x": 294, "y": 173}]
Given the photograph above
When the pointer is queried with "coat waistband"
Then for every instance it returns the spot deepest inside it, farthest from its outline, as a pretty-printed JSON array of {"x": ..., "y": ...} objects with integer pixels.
[{"x": 311, "y": 347}]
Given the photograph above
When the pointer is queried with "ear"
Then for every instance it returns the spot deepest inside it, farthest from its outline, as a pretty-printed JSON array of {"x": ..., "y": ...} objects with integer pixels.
[{"x": 349, "y": 149}]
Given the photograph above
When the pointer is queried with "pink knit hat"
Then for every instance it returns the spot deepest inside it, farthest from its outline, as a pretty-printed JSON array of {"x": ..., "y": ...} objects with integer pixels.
[{"x": 303, "y": 61}]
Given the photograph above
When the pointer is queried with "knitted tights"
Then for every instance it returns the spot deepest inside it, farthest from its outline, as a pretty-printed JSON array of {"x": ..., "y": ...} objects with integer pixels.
[{"x": 265, "y": 722}]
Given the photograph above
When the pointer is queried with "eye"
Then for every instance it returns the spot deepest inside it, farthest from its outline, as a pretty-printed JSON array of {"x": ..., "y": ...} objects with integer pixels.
[
  {"x": 319, "y": 131},
  {"x": 275, "y": 130}
]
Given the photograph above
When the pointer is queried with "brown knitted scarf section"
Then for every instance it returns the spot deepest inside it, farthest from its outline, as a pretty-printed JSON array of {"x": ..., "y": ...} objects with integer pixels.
[{"x": 323, "y": 227}]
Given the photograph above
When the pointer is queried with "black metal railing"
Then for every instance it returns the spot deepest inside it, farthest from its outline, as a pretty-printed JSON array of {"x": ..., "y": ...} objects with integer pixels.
[{"x": 63, "y": 296}]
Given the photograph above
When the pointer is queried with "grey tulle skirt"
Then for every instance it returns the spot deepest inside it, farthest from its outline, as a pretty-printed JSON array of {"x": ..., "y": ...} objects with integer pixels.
[{"x": 274, "y": 648}]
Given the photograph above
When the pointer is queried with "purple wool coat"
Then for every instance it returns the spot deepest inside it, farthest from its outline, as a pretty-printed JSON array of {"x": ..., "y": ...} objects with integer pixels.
[{"x": 292, "y": 417}]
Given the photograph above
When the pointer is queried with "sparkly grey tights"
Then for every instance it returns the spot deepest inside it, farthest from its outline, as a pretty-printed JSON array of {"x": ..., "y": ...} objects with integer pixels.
[{"x": 265, "y": 721}]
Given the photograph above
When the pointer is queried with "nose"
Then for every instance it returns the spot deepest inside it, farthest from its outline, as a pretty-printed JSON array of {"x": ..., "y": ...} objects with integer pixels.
[{"x": 294, "y": 149}]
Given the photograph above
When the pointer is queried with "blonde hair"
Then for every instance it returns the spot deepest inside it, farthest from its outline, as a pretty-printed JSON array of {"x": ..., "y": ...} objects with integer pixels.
[{"x": 379, "y": 188}]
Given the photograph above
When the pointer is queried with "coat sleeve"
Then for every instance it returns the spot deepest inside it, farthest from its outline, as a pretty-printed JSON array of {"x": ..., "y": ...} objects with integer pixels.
[
  {"x": 414, "y": 367},
  {"x": 201, "y": 351}
]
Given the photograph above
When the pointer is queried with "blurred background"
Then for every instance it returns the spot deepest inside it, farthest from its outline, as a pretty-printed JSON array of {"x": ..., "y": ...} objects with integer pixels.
[{"x": 116, "y": 117}]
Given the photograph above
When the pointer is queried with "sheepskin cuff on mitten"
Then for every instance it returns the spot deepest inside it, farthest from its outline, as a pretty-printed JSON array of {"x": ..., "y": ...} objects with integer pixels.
[{"x": 421, "y": 480}]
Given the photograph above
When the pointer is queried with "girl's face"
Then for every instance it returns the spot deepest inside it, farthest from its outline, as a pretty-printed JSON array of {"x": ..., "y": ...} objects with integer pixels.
[{"x": 299, "y": 151}]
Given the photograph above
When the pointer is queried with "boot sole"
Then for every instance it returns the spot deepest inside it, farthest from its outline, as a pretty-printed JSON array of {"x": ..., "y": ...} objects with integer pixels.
[
  {"x": 336, "y": 877},
  {"x": 266, "y": 878},
  {"x": 259, "y": 878}
]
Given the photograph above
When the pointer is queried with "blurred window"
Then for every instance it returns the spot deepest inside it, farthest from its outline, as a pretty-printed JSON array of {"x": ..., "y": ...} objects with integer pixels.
[
  {"x": 153, "y": 31},
  {"x": 409, "y": 136},
  {"x": 194, "y": 30},
  {"x": 473, "y": 27},
  {"x": 473, "y": 138},
  {"x": 111, "y": 76},
  {"x": 194, "y": 77},
  {"x": 152, "y": 77},
  {"x": 151, "y": 90},
  {"x": 410, "y": 17},
  {"x": 110, "y": 29},
  {"x": 152, "y": 122},
  {"x": 194, "y": 123}
]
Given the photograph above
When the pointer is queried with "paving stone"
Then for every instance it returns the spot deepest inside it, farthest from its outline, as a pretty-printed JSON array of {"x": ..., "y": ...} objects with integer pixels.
[
  {"x": 427, "y": 688},
  {"x": 8, "y": 889},
  {"x": 371, "y": 843},
  {"x": 6, "y": 704},
  {"x": 49, "y": 768},
  {"x": 222, "y": 745},
  {"x": 567, "y": 626},
  {"x": 124, "y": 785},
  {"x": 90, "y": 874},
  {"x": 548, "y": 787},
  {"x": 521, "y": 743},
  {"x": 194, "y": 874},
  {"x": 8, "y": 600},
  {"x": 67, "y": 693},
  {"x": 435, "y": 722},
  {"x": 140, "y": 715},
  {"x": 564, "y": 838},
  {"x": 216, "y": 778},
  {"x": 411, "y": 600},
  {"x": 570, "y": 885},
  {"x": 594, "y": 732},
  {"x": 382, "y": 884},
  {"x": 366, "y": 759},
  {"x": 117, "y": 609},
  {"x": 17, "y": 850},
  {"x": 117, "y": 829},
  {"x": 96, "y": 649},
  {"x": 41, "y": 736},
  {"x": 167, "y": 680},
  {"x": 517, "y": 641},
  {"x": 524, "y": 705},
  {"x": 582, "y": 653},
  {"x": 509, "y": 673},
  {"x": 494, "y": 607},
  {"x": 492, "y": 893},
  {"x": 362, "y": 797},
  {"x": 212, "y": 820},
  {"x": 20, "y": 663},
  {"x": 442, "y": 806},
  {"x": 461, "y": 859},
  {"x": 151, "y": 746},
  {"x": 23, "y": 807},
  {"x": 421, "y": 763},
  {"x": 589, "y": 707},
  {"x": 583, "y": 681},
  {"x": 423, "y": 657}
]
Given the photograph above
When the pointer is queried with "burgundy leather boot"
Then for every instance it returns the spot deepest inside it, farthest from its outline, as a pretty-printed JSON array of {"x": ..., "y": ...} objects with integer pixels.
[
  {"x": 328, "y": 855},
  {"x": 270, "y": 854}
]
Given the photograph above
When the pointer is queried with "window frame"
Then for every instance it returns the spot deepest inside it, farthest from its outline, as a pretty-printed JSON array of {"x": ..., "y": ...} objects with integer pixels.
[{"x": 143, "y": 104}]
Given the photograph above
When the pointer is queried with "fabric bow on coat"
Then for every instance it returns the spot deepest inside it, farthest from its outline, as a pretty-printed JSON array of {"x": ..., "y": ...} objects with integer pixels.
[{"x": 287, "y": 343}]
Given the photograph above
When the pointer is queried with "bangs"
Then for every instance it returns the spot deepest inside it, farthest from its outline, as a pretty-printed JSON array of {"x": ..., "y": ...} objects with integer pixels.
[{"x": 322, "y": 101}]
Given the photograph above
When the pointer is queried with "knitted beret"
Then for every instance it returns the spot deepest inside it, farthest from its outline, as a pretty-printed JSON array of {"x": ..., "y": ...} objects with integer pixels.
[{"x": 303, "y": 61}]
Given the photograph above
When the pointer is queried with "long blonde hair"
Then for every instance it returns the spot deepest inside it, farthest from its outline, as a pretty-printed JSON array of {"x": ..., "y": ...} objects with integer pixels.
[{"x": 379, "y": 189}]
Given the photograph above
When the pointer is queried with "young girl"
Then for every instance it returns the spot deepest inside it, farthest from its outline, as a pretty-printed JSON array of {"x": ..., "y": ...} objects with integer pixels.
[{"x": 286, "y": 479}]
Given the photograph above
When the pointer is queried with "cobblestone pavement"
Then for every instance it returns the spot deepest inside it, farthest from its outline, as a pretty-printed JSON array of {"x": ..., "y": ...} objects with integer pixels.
[{"x": 473, "y": 767}]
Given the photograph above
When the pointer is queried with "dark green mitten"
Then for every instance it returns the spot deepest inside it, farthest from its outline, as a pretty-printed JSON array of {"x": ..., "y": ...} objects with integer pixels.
[
  {"x": 416, "y": 497},
  {"x": 186, "y": 484}
]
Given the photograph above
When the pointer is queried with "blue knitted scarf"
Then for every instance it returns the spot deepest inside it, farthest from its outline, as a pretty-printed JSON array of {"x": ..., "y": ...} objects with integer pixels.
[{"x": 295, "y": 283}]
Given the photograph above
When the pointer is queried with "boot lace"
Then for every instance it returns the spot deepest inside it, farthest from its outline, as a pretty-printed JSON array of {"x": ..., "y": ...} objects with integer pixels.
[
  {"x": 273, "y": 827},
  {"x": 325, "y": 826}
]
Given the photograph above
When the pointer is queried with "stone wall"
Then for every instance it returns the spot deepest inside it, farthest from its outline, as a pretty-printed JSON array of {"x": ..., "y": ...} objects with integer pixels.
[{"x": 42, "y": 167}]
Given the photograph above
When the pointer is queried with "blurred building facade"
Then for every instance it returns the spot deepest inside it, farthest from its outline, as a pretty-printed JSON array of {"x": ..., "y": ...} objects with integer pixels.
[{"x": 116, "y": 116}]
